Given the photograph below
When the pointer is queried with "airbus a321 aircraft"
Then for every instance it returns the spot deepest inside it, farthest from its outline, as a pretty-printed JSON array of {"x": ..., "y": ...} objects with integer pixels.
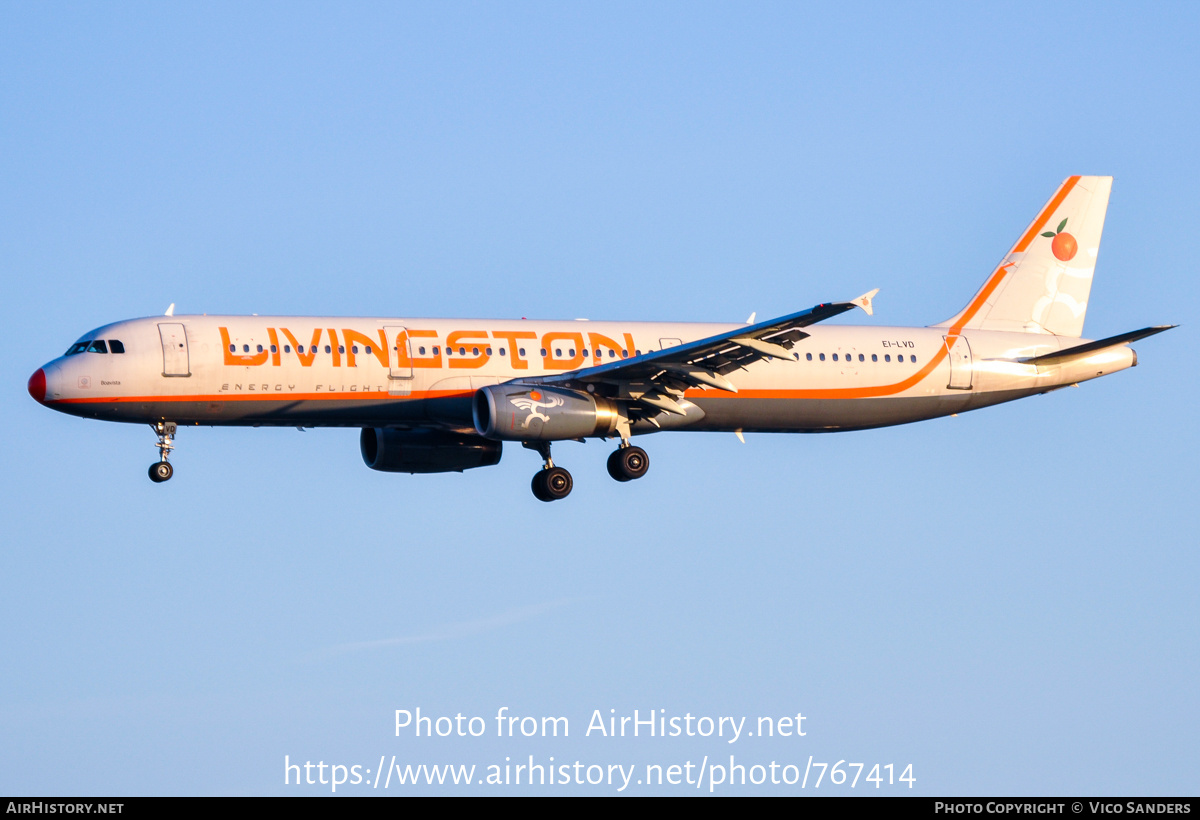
[{"x": 438, "y": 395}]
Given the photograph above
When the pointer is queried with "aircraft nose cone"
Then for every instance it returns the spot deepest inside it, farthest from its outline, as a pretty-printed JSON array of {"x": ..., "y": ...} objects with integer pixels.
[{"x": 37, "y": 386}]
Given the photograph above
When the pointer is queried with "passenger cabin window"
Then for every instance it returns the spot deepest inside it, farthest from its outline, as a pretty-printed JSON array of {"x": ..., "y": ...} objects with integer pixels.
[
  {"x": 115, "y": 346},
  {"x": 97, "y": 346},
  {"x": 874, "y": 357},
  {"x": 822, "y": 356}
]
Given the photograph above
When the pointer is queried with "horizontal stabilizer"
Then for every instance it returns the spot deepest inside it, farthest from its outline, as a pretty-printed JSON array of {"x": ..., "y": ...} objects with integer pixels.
[{"x": 1078, "y": 351}]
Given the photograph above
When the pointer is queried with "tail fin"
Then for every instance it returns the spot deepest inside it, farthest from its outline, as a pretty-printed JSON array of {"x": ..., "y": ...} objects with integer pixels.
[{"x": 1042, "y": 286}]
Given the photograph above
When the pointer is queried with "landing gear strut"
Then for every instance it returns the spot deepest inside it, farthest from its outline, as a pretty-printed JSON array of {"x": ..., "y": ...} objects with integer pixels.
[
  {"x": 549, "y": 483},
  {"x": 628, "y": 462},
  {"x": 161, "y": 470}
]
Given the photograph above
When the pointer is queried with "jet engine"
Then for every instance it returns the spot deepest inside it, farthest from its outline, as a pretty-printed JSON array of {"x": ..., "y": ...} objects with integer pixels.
[
  {"x": 425, "y": 451},
  {"x": 522, "y": 412}
]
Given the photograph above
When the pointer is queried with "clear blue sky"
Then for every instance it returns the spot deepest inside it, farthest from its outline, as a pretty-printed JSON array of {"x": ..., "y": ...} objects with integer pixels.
[{"x": 1005, "y": 600}]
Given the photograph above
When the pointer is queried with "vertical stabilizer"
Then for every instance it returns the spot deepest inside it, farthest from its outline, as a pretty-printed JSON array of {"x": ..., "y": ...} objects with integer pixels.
[{"x": 1042, "y": 286}]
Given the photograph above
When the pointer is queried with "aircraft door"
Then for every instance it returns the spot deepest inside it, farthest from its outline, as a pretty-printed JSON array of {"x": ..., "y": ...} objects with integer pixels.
[
  {"x": 175, "y": 350},
  {"x": 400, "y": 370},
  {"x": 960, "y": 362},
  {"x": 665, "y": 343}
]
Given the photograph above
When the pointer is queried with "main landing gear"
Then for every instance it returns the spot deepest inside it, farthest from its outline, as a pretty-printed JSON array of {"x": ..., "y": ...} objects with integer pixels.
[
  {"x": 549, "y": 483},
  {"x": 628, "y": 462},
  {"x": 553, "y": 483},
  {"x": 161, "y": 470}
]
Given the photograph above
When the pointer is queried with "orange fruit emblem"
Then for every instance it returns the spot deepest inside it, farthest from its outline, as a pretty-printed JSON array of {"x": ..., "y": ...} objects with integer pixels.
[{"x": 1062, "y": 245}]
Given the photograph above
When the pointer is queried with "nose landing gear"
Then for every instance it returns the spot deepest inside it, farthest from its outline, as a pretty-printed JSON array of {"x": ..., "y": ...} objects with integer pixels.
[{"x": 161, "y": 470}]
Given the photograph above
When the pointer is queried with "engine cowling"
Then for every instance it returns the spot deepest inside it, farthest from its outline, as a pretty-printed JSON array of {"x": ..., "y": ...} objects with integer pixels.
[
  {"x": 517, "y": 412},
  {"x": 423, "y": 451}
]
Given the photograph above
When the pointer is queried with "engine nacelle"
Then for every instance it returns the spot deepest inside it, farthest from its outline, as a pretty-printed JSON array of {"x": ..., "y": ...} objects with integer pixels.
[
  {"x": 422, "y": 451},
  {"x": 522, "y": 412}
]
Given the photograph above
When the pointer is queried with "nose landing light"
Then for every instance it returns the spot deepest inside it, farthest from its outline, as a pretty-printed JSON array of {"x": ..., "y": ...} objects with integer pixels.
[{"x": 37, "y": 386}]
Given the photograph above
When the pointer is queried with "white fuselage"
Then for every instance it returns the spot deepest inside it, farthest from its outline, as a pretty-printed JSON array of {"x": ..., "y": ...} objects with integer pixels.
[{"x": 364, "y": 372}]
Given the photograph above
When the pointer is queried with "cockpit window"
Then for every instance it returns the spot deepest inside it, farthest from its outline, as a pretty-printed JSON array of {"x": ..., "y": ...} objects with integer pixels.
[
  {"x": 115, "y": 346},
  {"x": 97, "y": 346},
  {"x": 78, "y": 347}
]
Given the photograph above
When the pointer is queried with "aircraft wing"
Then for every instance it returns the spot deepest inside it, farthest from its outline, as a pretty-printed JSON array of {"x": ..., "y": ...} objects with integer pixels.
[{"x": 658, "y": 378}]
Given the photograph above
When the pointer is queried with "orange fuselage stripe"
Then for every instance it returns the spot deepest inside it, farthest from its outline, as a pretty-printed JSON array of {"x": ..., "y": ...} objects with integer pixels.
[{"x": 265, "y": 396}]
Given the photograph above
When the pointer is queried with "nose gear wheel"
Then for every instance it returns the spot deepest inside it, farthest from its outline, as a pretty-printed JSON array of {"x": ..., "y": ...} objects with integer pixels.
[{"x": 161, "y": 470}]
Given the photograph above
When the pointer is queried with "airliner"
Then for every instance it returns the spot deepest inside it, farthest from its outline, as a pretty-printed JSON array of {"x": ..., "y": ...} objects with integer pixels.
[{"x": 441, "y": 395}]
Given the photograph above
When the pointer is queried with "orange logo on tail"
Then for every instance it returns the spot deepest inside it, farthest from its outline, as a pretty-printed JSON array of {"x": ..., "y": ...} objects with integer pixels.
[{"x": 1064, "y": 247}]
